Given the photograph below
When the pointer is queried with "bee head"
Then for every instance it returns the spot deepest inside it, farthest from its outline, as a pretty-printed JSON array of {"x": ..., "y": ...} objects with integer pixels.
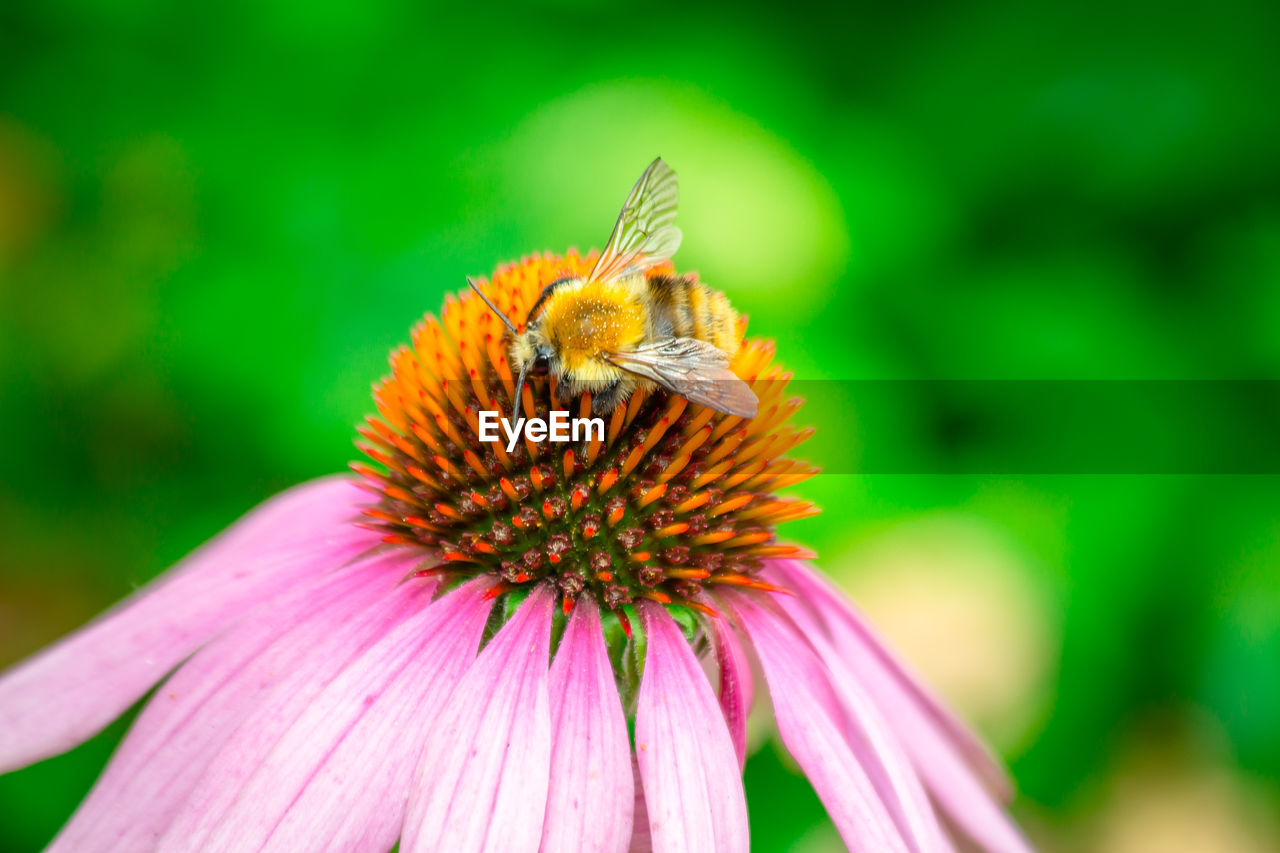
[
  {"x": 532, "y": 355},
  {"x": 531, "y": 350}
]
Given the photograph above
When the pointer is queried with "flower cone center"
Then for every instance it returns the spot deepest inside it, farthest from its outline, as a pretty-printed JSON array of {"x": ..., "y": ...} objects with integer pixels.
[{"x": 673, "y": 499}]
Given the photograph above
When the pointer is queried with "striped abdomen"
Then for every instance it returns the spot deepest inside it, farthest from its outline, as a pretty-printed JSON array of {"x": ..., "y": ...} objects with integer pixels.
[{"x": 683, "y": 307}]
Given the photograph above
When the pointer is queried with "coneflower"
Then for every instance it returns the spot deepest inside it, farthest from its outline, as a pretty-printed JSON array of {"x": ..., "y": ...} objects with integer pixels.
[{"x": 473, "y": 649}]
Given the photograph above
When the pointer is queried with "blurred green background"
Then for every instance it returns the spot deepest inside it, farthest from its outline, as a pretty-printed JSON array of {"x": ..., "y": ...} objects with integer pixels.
[{"x": 216, "y": 221}]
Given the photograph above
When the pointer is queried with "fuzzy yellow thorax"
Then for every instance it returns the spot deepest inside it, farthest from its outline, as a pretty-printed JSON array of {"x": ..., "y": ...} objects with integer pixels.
[{"x": 584, "y": 320}]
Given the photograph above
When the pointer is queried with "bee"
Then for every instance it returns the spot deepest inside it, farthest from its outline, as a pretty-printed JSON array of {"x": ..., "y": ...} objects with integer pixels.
[{"x": 617, "y": 330}]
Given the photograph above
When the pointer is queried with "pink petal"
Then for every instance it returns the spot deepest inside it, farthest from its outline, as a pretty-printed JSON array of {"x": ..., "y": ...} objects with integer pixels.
[
  {"x": 592, "y": 791},
  {"x": 192, "y": 715},
  {"x": 239, "y": 755},
  {"x": 849, "y": 627},
  {"x": 876, "y": 746},
  {"x": 68, "y": 692},
  {"x": 340, "y": 770},
  {"x": 737, "y": 691},
  {"x": 483, "y": 776},
  {"x": 952, "y": 762},
  {"x": 802, "y": 702},
  {"x": 692, "y": 784}
]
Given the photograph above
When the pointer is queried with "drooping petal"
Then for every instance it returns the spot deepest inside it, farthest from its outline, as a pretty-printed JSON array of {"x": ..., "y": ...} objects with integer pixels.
[
  {"x": 883, "y": 755},
  {"x": 875, "y": 744},
  {"x": 692, "y": 784},
  {"x": 242, "y": 752},
  {"x": 737, "y": 691},
  {"x": 843, "y": 619},
  {"x": 482, "y": 779},
  {"x": 955, "y": 767},
  {"x": 69, "y": 691},
  {"x": 174, "y": 738},
  {"x": 802, "y": 702},
  {"x": 363, "y": 802},
  {"x": 340, "y": 770},
  {"x": 592, "y": 790}
]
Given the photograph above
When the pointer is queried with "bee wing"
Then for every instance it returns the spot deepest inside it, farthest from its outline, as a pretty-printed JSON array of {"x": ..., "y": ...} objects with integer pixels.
[
  {"x": 645, "y": 234},
  {"x": 695, "y": 370}
]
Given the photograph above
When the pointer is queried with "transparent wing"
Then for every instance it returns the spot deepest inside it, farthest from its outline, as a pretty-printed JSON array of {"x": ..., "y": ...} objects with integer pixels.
[
  {"x": 695, "y": 370},
  {"x": 645, "y": 234}
]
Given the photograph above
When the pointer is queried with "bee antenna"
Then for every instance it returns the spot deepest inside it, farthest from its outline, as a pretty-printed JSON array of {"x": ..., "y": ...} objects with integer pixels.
[
  {"x": 494, "y": 309},
  {"x": 519, "y": 400}
]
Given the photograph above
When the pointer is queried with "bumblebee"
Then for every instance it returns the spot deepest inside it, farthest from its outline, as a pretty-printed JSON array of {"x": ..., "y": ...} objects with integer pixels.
[{"x": 617, "y": 330}]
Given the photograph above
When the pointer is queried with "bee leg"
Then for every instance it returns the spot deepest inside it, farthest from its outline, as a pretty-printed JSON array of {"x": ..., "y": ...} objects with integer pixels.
[{"x": 605, "y": 400}]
